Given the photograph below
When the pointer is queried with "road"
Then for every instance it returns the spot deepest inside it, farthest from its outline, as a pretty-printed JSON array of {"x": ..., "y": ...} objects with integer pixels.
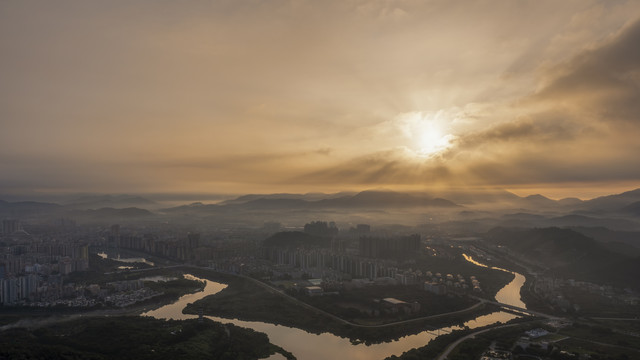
[
  {"x": 522, "y": 310},
  {"x": 453, "y": 345}
]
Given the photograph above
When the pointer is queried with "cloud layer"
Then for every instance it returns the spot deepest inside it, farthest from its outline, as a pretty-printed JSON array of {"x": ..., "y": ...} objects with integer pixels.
[{"x": 240, "y": 96}]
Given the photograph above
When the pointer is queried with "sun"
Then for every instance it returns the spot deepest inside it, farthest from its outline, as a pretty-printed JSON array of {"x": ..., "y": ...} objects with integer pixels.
[
  {"x": 432, "y": 138},
  {"x": 427, "y": 134}
]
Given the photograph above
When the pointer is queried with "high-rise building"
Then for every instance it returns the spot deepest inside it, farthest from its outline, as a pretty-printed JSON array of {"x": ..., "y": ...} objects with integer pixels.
[
  {"x": 384, "y": 248},
  {"x": 9, "y": 226},
  {"x": 8, "y": 291}
]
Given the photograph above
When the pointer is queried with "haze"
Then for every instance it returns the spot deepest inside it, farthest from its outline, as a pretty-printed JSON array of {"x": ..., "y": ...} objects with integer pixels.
[{"x": 250, "y": 96}]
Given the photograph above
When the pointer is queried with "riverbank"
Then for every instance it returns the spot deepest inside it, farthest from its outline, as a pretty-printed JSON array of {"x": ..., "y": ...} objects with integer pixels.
[
  {"x": 442, "y": 346},
  {"x": 130, "y": 337},
  {"x": 169, "y": 292},
  {"x": 318, "y": 340}
]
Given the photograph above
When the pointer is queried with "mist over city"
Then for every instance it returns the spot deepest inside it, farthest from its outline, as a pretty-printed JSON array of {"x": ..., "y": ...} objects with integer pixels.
[{"x": 315, "y": 180}]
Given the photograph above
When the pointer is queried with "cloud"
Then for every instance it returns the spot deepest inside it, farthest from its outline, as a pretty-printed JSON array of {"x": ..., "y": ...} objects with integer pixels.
[
  {"x": 603, "y": 80},
  {"x": 392, "y": 168},
  {"x": 239, "y": 94},
  {"x": 537, "y": 129}
]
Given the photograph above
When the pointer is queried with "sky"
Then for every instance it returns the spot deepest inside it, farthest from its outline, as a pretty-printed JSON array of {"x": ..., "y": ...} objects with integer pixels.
[{"x": 234, "y": 96}]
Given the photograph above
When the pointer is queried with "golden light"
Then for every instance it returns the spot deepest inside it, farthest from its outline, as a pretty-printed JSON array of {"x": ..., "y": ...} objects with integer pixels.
[
  {"x": 428, "y": 132},
  {"x": 433, "y": 140}
]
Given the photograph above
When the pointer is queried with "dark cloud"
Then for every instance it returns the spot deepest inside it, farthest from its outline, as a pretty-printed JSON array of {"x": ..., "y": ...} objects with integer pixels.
[
  {"x": 389, "y": 168},
  {"x": 547, "y": 168},
  {"x": 540, "y": 128},
  {"x": 604, "y": 80}
]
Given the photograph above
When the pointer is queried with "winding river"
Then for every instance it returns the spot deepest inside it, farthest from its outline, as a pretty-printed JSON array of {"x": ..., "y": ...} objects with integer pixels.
[
  {"x": 510, "y": 293},
  {"x": 309, "y": 346}
]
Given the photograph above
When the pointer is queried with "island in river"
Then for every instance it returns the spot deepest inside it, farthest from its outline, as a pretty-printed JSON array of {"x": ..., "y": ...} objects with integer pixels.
[{"x": 247, "y": 299}]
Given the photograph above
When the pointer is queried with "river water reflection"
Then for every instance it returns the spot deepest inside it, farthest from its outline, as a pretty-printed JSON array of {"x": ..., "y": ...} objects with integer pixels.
[
  {"x": 307, "y": 346},
  {"x": 510, "y": 293},
  {"x": 129, "y": 260}
]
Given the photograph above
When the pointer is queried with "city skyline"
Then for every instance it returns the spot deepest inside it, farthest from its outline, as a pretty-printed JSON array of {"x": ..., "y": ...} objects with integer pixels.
[{"x": 216, "y": 97}]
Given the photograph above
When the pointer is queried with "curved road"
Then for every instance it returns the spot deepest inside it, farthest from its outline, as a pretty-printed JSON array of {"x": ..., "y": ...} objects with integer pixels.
[{"x": 453, "y": 345}]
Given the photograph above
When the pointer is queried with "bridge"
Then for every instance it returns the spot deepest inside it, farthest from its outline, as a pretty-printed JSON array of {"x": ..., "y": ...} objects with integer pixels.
[{"x": 518, "y": 309}]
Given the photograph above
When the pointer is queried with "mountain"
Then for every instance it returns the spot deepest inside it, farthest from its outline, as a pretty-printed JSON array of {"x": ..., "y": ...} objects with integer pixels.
[
  {"x": 613, "y": 202},
  {"x": 524, "y": 217},
  {"x": 109, "y": 201},
  {"x": 271, "y": 203},
  {"x": 554, "y": 246},
  {"x": 605, "y": 235},
  {"x": 384, "y": 199},
  {"x": 519, "y": 220},
  {"x": 363, "y": 200},
  {"x": 631, "y": 209},
  {"x": 26, "y": 209},
  {"x": 307, "y": 197},
  {"x": 570, "y": 202},
  {"x": 538, "y": 201},
  {"x": 106, "y": 213},
  {"x": 481, "y": 196},
  {"x": 590, "y": 221},
  {"x": 570, "y": 254}
]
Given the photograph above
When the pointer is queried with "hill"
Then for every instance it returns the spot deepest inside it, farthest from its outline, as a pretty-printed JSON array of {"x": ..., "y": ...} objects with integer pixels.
[
  {"x": 23, "y": 209},
  {"x": 109, "y": 201},
  {"x": 613, "y": 202},
  {"x": 570, "y": 254},
  {"x": 111, "y": 213}
]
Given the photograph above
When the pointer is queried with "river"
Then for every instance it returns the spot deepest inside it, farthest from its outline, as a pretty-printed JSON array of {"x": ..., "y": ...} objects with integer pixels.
[
  {"x": 116, "y": 257},
  {"x": 307, "y": 346},
  {"x": 510, "y": 293}
]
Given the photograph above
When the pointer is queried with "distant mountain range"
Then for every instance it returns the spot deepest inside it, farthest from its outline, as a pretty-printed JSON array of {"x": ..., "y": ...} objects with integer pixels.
[
  {"x": 109, "y": 201},
  {"x": 126, "y": 213},
  {"x": 372, "y": 200},
  {"x": 476, "y": 209},
  {"x": 307, "y": 197},
  {"x": 26, "y": 208}
]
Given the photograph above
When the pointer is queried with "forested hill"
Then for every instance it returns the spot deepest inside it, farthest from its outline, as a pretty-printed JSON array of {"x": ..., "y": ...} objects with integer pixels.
[{"x": 569, "y": 254}]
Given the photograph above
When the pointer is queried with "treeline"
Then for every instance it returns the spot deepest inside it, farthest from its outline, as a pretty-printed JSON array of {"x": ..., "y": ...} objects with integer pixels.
[{"x": 137, "y": 338}]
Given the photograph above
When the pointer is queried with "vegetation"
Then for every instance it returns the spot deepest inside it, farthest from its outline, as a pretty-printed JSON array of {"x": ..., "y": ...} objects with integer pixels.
[
  {"x": 246, "y": 300},
  {"x": 137, "y": 338},
  {"x": 590, "y": 333},
  {"x": 570, "y": 254},
  {"x": 589, "y": 304},
  {"x": 491, "y": 280},
  {"x": 597, "y": 341},
  {"x": 473, "y": 348},
  {"x": 533, "y": 300},
  {"x": 469, "y": 349},
  {"x": 357, "y": 304},
  {"x": 94, "y": 277},
  {"x": 176, "y": 287},
  {"x": 433, "y": 348},
  {"x": 599, "y": 305}
]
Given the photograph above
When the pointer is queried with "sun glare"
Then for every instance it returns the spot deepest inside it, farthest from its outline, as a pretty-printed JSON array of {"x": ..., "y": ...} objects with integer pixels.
[
  {"x": 433, "y": 140},
  {"x": 427, "y": 132}
]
